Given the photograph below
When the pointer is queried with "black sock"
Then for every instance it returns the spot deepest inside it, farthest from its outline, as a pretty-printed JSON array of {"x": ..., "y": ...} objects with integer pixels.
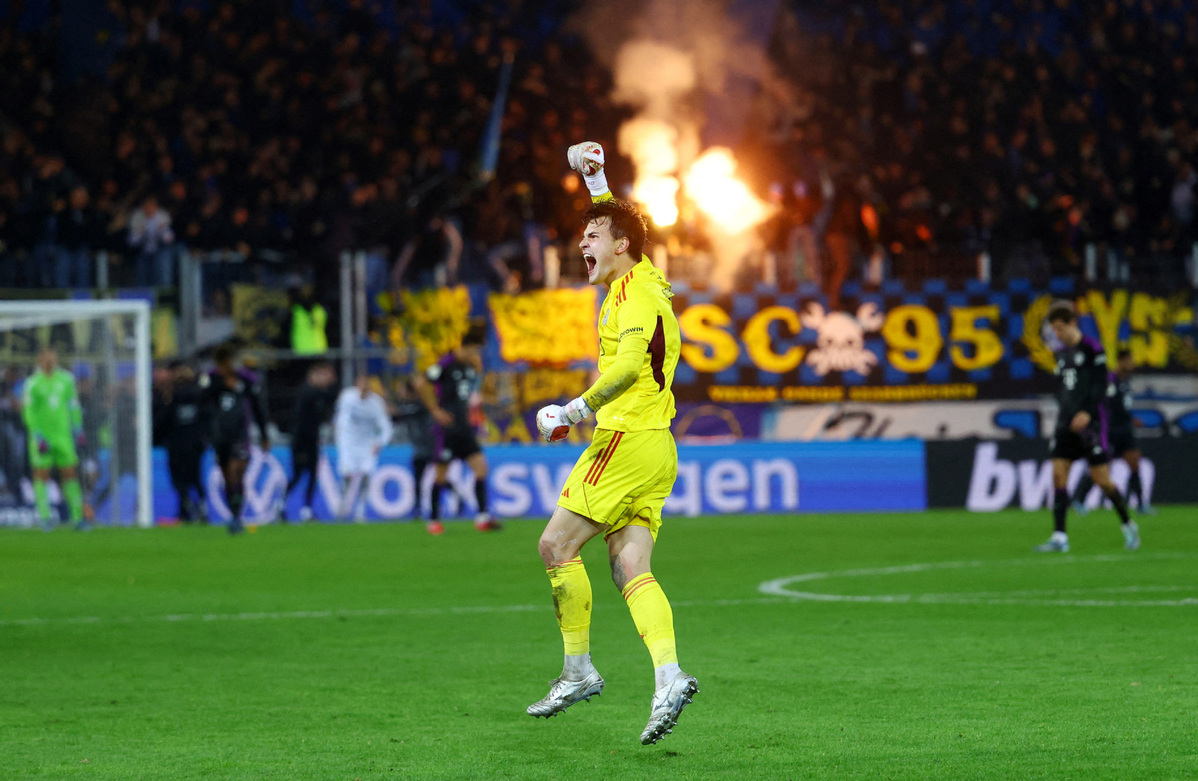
[
  {"x": 1083, "y": 487},
  {"x": 184, "y": 503},
  {"x": 311, "y": 489},
  {"x": 480, "y": 493},
  {"x": 418, "y": 467},
  {"x": 236, "y": 498},
  {"x": 436, "y": 502},
  {"x": 1060, "y": 505},
  {"x": 1135, "y": 489},
  {"x": 1119, "y": 502}
]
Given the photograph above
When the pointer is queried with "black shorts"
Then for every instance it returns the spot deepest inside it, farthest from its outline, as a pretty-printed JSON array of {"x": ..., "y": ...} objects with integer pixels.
[
  {"x": 304, "y": 455},
  {"x": 456, "y": 444},
  {"x": 424, "y": 449},
  {"x": 1090, "y": 443},
  {"x": 184, "y": 466},
  {"x": 1123, "y": 439},
  {"x": 228, "y": 450}
]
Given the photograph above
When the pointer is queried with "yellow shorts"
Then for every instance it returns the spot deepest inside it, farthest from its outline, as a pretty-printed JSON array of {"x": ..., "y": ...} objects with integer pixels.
[{"x": 623, "y": 479}]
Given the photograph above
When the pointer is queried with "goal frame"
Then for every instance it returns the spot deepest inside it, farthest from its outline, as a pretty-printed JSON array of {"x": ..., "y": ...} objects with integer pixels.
[{"x": 24, "y": 314}]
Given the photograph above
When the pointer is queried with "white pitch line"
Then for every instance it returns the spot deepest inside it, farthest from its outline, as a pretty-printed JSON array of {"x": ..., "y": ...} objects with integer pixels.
[
  {"x": 780, "y": 586},
  {"x": 1040, "y": 592}
]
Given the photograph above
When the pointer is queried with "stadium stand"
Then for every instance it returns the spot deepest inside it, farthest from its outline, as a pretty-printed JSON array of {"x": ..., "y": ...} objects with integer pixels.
[
  {"x": 280, "y": 137},
  {"x": 1026, "y": 128},
  {"x": 1033, "y": 131}
]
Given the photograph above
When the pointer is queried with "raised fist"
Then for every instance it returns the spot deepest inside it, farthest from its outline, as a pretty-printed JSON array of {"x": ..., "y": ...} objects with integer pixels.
[{"x": 586, "y": 158}]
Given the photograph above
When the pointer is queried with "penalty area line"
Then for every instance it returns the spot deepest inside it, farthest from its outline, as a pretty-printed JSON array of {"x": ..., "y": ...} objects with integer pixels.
[{"x": 781, "y": 587}]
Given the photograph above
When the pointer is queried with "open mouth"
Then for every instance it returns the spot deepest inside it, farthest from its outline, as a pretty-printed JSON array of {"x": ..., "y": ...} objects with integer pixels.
[{"x": 591, "y": 263}]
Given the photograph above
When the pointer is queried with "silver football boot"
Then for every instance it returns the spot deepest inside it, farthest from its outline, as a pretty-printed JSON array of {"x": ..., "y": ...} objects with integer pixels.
[
  {"x": 562, "y": 694},
  {"x": 668, "y": 703},
  {"x": 1053, "y": 545},
  {"x": 1131, "y": 535}
]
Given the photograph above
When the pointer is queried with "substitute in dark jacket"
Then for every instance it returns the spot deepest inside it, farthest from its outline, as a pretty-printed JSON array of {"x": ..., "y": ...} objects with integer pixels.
[
  {"x": 313, "y": 408},
  {"x": 183, "y": 430},
  {"x": 231, "y": 398}
]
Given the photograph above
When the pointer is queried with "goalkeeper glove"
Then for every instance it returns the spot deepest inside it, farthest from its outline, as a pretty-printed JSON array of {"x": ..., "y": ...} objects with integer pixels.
[
  {"x": 587, "y": 159},
  {"x": 43, "y": 446},
  {"x": 80, "y": 438},
  {"x": 575, "y": 411},
  {"x": 550, "y": 424}
]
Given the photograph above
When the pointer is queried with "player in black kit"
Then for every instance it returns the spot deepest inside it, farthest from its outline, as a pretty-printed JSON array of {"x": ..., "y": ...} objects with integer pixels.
[
  {"x": 183, "y": 429},
  {"x": 1082, "y": 425},
  {"x": 1123, "y": 436},
  {"x": 313, "y": 408},
  {"x": 231, "y": 397},
  {"x": 447, "y": 390}
]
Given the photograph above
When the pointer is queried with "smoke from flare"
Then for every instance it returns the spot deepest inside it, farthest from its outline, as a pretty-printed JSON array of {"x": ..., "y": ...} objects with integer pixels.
[
  {"x": 652, "y": 145},
  {"x": 669, "y": 79},
  {"x": 653, "y": 75}
]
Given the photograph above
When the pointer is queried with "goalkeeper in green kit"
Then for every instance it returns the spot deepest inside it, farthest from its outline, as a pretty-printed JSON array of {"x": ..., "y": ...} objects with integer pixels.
[{"x": 54, "y": 420}]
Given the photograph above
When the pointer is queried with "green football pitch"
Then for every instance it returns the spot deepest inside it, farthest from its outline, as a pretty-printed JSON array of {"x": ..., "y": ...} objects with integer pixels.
[{"x": 929, "y": 645}]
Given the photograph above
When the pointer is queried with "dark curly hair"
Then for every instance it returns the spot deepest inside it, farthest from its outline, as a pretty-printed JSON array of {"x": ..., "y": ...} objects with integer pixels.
[
  {"x": 623, "y": 222},
  {"x": 224, "y": 352},
  {"x": 476, "y": 334},
  {"x": 1063, "y": 311}
]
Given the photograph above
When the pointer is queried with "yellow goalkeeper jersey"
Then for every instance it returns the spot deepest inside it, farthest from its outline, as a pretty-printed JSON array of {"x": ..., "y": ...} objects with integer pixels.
[{"x": 637, "y": 333}]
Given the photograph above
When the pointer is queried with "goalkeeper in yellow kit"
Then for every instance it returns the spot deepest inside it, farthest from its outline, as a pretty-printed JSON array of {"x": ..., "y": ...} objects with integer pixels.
[{"x": 621, "y": 482}]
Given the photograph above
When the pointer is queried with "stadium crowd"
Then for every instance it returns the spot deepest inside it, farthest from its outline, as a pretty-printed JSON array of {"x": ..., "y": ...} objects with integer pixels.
[
  {"x": 1026, "y": 128},
  {"x": 241, "y": 129},
  {"x": 924, "y": 131}
]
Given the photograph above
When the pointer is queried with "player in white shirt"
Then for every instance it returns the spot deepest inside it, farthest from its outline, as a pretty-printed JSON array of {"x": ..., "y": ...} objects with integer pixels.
[{"x": 362, "y": 426}]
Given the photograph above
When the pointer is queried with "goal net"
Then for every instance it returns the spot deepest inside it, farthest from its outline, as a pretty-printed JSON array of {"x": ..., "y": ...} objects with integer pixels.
[{"x": 105, "y": 346}]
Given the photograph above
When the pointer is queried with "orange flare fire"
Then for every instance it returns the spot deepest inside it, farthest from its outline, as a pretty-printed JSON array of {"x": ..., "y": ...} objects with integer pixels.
[
  {"x": 710, "y": 184},
  {"x": 727, "y": 201}
]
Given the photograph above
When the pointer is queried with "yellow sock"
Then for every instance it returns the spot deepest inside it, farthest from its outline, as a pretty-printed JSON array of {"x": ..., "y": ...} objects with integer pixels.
[
  {"x": 653, "y": 618},
  {"x": 572, "y": 602}
]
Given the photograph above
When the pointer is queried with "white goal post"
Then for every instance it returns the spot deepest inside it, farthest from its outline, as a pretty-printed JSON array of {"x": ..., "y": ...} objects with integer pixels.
[{"x": 110, "y": 342}]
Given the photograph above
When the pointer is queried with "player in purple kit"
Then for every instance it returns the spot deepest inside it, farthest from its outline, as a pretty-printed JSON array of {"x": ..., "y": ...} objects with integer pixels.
[
  {"x": 447, "y": 389},
  {"x": 1082, "y": 425},
  {"x": 1123, "y": 436},
  {"x": 232, "y": 397}
]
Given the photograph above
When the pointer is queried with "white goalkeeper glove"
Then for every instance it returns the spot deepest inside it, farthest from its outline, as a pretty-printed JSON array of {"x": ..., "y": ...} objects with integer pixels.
[
  {"x": 550, "y": 423},
  {"x": 575, "y": 411},
  {"x": 587, "y": 159},
  {"x": 553, "y": 422}
]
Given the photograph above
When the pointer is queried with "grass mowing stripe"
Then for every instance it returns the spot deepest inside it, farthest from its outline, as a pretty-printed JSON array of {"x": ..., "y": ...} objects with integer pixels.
[{"x": 362, "y": 613}]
